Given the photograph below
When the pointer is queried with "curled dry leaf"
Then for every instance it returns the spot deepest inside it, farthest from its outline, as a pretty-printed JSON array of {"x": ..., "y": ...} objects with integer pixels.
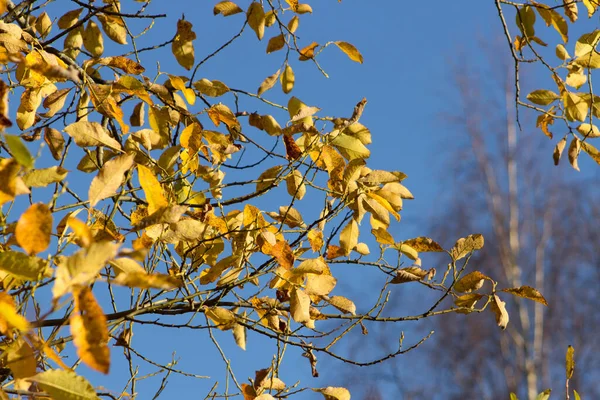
[
  {"x": 409, "y": 274},
  {"x": 527, "y": 292},
  {"x": 498, "y": 307},
  {"x": 466, "y": 245},
  {"x": 343, "y": 304}
]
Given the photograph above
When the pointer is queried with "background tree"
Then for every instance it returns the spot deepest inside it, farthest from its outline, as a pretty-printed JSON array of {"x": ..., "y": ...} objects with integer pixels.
[{"x": 136, "y": 200}]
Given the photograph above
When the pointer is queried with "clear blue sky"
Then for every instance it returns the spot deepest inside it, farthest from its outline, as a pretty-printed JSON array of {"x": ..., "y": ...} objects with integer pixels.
[{"x": 406, "y": 48}]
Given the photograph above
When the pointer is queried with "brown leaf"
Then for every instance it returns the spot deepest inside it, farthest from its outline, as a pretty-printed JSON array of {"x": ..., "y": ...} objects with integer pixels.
[
  {"x": 527, "y": 292},
  {"x": 558, "y": 150},
  {"x": 409, "y": 274},
  {"x": 90, "y": 331},
  {"x": 292, "y": 150},
  {"x": 308, "y": 52},
  {"x": 574, "y": 149},
  {"x": 283, "y": 254},
  {"x": 423, "y": 244}
]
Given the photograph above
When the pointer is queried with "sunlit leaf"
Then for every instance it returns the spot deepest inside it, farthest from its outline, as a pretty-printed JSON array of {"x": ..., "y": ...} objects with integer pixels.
[
  {"x": 226, "y": 8},
  {"x": 64, "y": 385},
  {"x": 498, "y": 307},
  {"x": 470, "y": 282},
  {"x": 351, "y": 51},
  {"x": 334, "y": 393},
  {"x": 570, "y": 362},
  {"x": 182, "y": 47},
  {"x": 109, "y": 179}
]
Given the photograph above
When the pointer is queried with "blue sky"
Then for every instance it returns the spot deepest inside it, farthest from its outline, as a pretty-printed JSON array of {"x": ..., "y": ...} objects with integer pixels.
[{"x": 407, "y": 48}]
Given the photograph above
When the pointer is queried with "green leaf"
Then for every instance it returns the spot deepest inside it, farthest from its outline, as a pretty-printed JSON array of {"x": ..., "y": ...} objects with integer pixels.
[
  {"x": 542, "y": 97},
  {"x": 19, "y": 150},
  {"x": 577, "y": 397},
  {"x": 513, "y": 396},
  {"x": 64, "y": 385}
]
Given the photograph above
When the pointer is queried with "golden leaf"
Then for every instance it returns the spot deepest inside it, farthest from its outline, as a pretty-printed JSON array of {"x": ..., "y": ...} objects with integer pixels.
[
  {"x": 293, "y": 24},
  {"x": 125, "y": 64},
  {"x": 152, "y": 189},
  {"x": 256, "y": 19},
  {"x": 295, "y": 185},
  {"x": 287, "y": 79},
  {"x": 92, "y": 39},
  {"x": 308, "y": 52},
  {"x": 55, "y": 142},
  {"x": 351, "y": 51},
  {"x": 34, "y": 228},
  {"x": 182, "y": 46},
  {"x": 315, "y": 238},
  {"x": 283, "y": 254},
  {"x": 275, "y": 43},
  {"x": 114, "y": 27},
  {"x": 211, "y": 88},
  {"x": 320, "y": 285},
  {"x": 21, "y": 361},
  {"x": 69, "y": 19},
  {"x": 299, "y": 306},
  {"x": 571, "y": 9},
  {"x": 558, "y": 150},
  {"x": 409, "y": 274},
  {"x": 349, "y": 236},
  {"x": 90, "y": 331}
]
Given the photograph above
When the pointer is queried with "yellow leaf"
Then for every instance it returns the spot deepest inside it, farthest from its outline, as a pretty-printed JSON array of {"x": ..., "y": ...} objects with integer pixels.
[
  {"x": 92, "y": 39},
  {"x": 299, "y": 306},
  {"x": 283, "y": 254},
  {"x": 239, "y": 334},
  {"x": 34, "y": 228},
  {"x": 179, "y": 84},
  {"x": 351, "y": 51},
  {"x": 295, "y": 185},
  {"x": 293, "y": 24},
  {"x": 287, "y": 79},
  {"x": 114, "y": 27},
  {"x": 152, "y": 189},
  {"x": 81, "y": 230},
  {"x": 256, "y": 19},
  {"x": 349, "y": 236},
  {"x": 542, "y": 97},
  {"x": 91, "y": 134},
  {"x": 90, "y": 331},
  {"x": 591, "y": 6},
  {"x": 315, "y": 238},
  {"x": 320, "y": 285},
  {"x": 110, "y": 178},
  {"x": 350, "y": 147},
  {"x": 527, "y": 292},
  {"x": 276, "y": 43},
  {"x": 467, "y": 300},
  {"x": 211, "y": 88},
  {"x": 382, "y": 236},
  {"x": 423, "y": 244},
  {"x": 182, "y": 46},
  {"x": 9, "y": 318},
  {"x": 55, "y": 102},
  {"x": 143, "y": 280},
  {"x": 343, "y": 304},
  {"x": 69, "y": 19},
  {"x": 223, "y": 318},
  {"x": 334, "y": 393}
]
